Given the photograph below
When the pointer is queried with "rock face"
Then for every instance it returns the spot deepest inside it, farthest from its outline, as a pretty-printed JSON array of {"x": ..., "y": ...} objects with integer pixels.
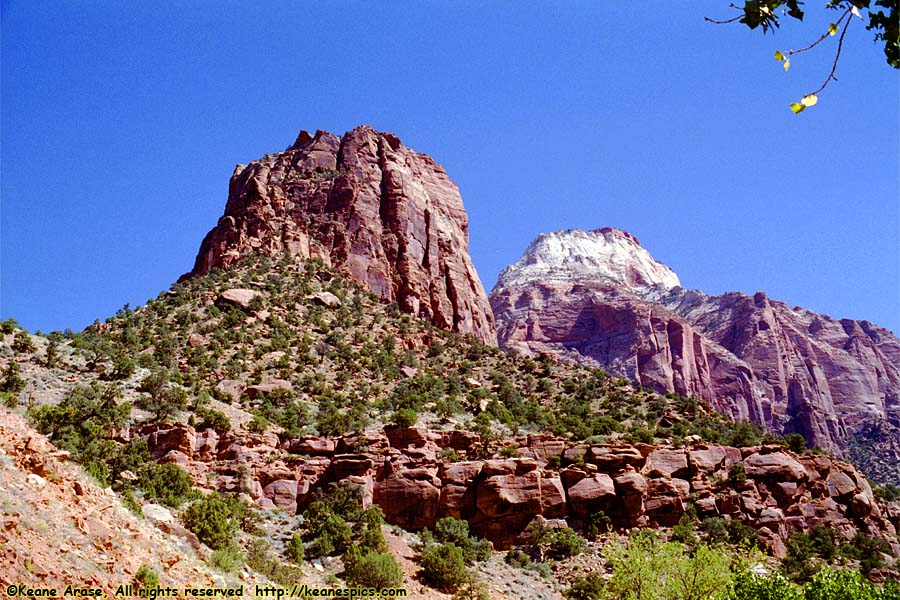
[
  {"x": 405, "y": 472},
  {"x": 599, "y": 298},
  {"x": 387, "y": 216}
]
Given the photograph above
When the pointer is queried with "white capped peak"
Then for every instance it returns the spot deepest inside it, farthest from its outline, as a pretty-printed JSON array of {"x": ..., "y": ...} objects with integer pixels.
[{"x": 574, "y": 254}]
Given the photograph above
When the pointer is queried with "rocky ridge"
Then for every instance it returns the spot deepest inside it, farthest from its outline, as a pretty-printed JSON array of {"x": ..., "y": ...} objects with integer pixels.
[
  {"x": 753, "y": 358},
  {"x": 407, "y": 472},
  {"x": 383, "y": 214}
]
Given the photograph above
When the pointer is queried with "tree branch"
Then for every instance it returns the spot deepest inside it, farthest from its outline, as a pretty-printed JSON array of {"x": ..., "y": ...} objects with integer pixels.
[{"x": 836, "y": 57}]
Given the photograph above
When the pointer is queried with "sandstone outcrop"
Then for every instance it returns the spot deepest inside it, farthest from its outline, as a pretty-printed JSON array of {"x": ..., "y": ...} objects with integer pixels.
[
  {"x": 387, "y": 216},
  {"x": 599, "y": 298},
  {"x": 405, "y": 473}
]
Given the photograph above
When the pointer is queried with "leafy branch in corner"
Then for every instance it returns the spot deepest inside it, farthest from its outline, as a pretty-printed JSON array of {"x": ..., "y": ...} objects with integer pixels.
[{"x": 765, "y": 14}]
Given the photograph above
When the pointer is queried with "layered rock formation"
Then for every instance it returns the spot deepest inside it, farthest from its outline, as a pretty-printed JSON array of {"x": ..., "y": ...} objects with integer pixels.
[
  {"x": 387, "y": 216},
  {"x": 599, "y": 298},
  {"x": 405, "y": 471}
]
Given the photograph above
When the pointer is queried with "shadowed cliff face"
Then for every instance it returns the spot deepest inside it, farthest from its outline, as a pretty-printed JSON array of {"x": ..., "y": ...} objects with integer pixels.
[
  {"x": 753, "y": 358},
  {"x": 387, "y": 216}
]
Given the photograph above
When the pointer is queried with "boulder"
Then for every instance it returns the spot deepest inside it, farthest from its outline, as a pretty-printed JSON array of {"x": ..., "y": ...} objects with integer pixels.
[
  {"x": 776, "y": 465},
  {"x": 242, "y": 298}
]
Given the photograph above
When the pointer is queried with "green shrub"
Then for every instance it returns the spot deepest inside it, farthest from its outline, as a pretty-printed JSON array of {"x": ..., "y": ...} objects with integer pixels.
[
  {"x": 228, "y": 559},
  {"x": 405, "y": 417},
  {"x": 456, "y": 531},
  {"x": 261, "y": 560},
  {"x": 215, "y": 519},
  {"x": 12, "y": 381},
  {"x": 376, "y": 570},
  {"x": 591, "y": 587},
  {"x": 684, "y": 531},
  {"x": 22, "y": 342},
  {"x": 83, "y": 423},
  {"x": 443, "y": 566},
  {"x": 888, "y": 492},
  {"x": 795, "y": 442},
  {"x": 212, "y": 418},
  {"x": 167, "y": 483},
  {"x": 9, "y": 400},
  {"x": 146, "y": 578},
  {"x": 294, "y": 551},
  {"x": 333, "y": 538}
]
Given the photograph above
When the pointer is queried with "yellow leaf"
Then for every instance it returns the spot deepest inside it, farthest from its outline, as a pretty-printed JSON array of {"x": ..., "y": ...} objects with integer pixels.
[
  {"x": 779, "y": 56},
  {"x": 787, "y": 64},
  {"x": 809, "y": 100},
  {"x": 797, "y": 108},
  {"x": 832, "y": 29}
]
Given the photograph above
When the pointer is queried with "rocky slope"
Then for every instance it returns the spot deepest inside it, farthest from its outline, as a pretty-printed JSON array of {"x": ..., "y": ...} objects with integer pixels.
[
  {"x": 387, "y": 216},
  {"x": 600, "y": 298}
]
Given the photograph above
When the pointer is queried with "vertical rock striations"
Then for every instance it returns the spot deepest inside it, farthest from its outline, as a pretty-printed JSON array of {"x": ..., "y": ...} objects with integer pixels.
[
  {"x": 599, "y": 298},
  {"x": 387, "y": 216}
]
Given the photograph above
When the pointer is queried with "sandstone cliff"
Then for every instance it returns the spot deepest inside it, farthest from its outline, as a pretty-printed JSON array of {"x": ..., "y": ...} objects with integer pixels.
[
  {"x": 406, "y": 472},
  {"x": 387, "y": 216},
  {"x": 600, "y": 298}
]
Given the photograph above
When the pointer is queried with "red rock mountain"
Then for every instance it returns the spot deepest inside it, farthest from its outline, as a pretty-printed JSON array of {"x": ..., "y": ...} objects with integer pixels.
[
  {"x": 387, "y": 216},
  {"x": 599, "y": 298}
]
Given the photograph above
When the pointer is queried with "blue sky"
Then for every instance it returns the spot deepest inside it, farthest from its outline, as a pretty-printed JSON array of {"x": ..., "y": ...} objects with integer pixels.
[{"x": 122, "y": 122}]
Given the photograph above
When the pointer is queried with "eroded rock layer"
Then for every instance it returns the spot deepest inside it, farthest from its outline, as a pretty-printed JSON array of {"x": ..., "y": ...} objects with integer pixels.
[
  {"x": 407, "y": 472},
  {"x": 387, "y": 216}
]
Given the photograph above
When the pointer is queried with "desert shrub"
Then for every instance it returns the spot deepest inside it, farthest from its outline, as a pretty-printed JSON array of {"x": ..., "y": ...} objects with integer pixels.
[
  {"x": 83, "y": 424},
  {"x": 12, "y": 381},
  {"x": 163, "y": 399},
  {"x": 22, "y": 342},
  {"x": 456, "y": 531},
  {"x": 869, "y": 551},
  {"x": 715, "y": 530},
  {"x": 376, "y": 570},
  {"x": 557, "y": 543},
  {"x": 8, "y": 326},
  {"x": 736, "y": 474},
  {"x": 404, "y": 417},
  {"x": 261, "y": 560},
  {"x": 795, "y": 442},
  {"x": 9, "y": 400},
  {"x": 258, "y": 424},
  {"x": 215, "y": 519},
  {"x": 294, "y": 551},
  {"x": 167, "y": 483},
  {"x": 146, "y": 578},
  {"x": 212, "y": 418},
  {"x": 888, "y": 492},
  {"x": 591, "y": 587},
  {"x": 683, "y": 531},
  {"x": 123, "y": 366},
  {"x": 443, "y": 566},
  {"x": 228, "y": 559},
  {"x": 333, "y": 538}
]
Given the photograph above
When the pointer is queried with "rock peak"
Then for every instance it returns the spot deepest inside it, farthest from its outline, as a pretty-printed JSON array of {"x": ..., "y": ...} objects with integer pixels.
[
  {"x": 575, "y": 254},
  {"x": 386, "y": 216}
]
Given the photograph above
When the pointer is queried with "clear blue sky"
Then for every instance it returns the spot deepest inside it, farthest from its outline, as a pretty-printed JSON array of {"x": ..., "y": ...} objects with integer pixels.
[{"x": 122, "y": 122}]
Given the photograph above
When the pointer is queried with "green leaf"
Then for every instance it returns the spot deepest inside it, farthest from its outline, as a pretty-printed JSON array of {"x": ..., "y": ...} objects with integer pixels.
[
  {"x": 809, "y": 100},
  {"x": 832, "y": 29},
  {"x": 797, "y": 108},
  {"x": 779, "y": 56}
]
